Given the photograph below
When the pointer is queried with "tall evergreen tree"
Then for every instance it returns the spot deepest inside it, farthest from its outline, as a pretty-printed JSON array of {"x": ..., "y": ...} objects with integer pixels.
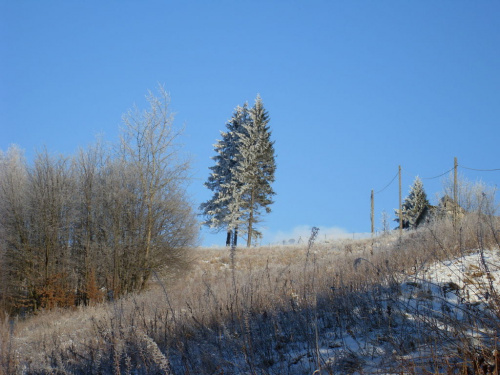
[
  {"x": 414, "y": 205},
  {"x": 256, "y": 169},
  {"x": 242, "y": 175},
  {"x": 221, "y": 211}
]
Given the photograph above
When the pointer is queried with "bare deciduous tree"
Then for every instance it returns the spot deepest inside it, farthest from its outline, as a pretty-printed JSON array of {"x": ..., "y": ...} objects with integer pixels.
[
  {"x": 150, "y": 144},
  {"x": 14, "y": 237}
]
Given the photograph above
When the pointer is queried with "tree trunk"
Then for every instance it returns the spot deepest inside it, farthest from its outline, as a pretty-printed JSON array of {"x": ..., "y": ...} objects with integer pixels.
[
  {"x": 228, "y": 238},
  {"x": 250, "y": 220},
  {"x": 146, "y": 265}
]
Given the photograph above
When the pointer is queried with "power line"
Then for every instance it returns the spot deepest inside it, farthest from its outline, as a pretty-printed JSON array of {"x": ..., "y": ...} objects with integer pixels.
[
  {"x": 442, "y": 174},
  {"x": 428, "y": 178},
  {"x": 389, "y": 184},
  {"x": 480, "y": 170}
]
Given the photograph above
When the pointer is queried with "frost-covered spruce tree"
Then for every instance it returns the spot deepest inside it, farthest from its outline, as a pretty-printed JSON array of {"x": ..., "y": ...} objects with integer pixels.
[
  {"x": 255, "y": 170},
  {"x": 242, "y": 175},
  {"x": 222, "y": 210},
  {"x": 414, "y": 205}
]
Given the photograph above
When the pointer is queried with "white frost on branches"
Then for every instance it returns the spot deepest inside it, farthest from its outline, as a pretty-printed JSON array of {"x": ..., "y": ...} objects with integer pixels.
[{"x": 243, "y": 173}]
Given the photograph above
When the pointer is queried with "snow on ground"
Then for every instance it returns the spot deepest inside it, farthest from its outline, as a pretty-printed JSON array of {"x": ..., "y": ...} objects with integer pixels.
[{"x": 406, "y": 325}]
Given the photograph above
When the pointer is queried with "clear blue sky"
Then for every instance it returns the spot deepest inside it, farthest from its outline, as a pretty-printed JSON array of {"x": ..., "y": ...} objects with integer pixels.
[{"x": 353, "y": 89}]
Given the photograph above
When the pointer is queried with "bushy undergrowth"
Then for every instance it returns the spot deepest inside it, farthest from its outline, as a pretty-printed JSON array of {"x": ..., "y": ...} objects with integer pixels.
[{"x": 366, "y": 306}]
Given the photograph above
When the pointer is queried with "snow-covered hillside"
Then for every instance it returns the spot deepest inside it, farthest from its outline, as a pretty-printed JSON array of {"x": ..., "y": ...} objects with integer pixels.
[{"x": 418, "y": 321}]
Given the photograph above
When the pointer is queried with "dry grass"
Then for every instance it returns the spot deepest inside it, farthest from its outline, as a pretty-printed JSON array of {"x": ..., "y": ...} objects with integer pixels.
[{"x": 273, "y": 313}]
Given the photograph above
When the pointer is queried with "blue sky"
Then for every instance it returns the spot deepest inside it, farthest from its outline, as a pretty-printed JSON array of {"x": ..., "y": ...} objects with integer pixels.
[{"x": 353, "y": 89}]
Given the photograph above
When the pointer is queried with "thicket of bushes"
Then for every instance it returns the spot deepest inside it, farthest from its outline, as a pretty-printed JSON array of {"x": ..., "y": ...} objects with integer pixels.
[{"x": 89, "y": 227}]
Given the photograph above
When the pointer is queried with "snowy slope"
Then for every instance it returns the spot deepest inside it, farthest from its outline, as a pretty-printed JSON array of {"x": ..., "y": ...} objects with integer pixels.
[{"x": 413, "y": 322}]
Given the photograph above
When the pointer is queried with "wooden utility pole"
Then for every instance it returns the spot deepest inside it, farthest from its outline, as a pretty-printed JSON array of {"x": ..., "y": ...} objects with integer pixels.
[
  {"x": 372, "y": 214},
  {"x": 400, "y": 207},
  {"x": 455, "y": 192}
]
